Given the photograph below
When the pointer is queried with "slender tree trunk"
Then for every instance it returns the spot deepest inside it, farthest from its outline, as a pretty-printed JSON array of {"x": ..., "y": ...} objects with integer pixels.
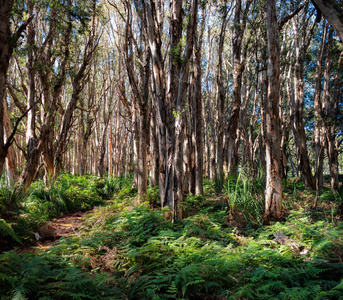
[
  {"x": 154, "y": 37},
  {"x": 199, "y": 149},
  {"x": 102, "y": 146},
  {"x": 297, "y": 115},
  {"x": 33, "y": 153},
  {"x": 154, "y": 149},
  {"x": 273, "y": 196},
  {"x": 144, "y": 134},
  {"x": 238, "y": 69},
  {"x": 11, "y": 162},
  {"x": 110, "y": 147},
  {"x": 6, "y": 50},
  {"x": 330, "y": 112},
  {"x": 318, "y": 131},
  {"x": 221, "y": 98}
]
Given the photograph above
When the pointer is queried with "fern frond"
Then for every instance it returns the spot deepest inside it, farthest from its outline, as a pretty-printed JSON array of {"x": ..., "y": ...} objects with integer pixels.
[{"x": 7, "y": 230}]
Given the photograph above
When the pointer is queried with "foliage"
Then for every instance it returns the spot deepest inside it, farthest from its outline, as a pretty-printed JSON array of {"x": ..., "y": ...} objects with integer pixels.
[
  {"x": 10, "y": 200},
  {"x": 218, "y": 184},
  {"x": 40, "y": 204},
  {"x": 6, "y": 230},
  {"x": 246, "y": 197},
  {"x": 153, "y": 196},
  {"x": 46, "y": 276}
]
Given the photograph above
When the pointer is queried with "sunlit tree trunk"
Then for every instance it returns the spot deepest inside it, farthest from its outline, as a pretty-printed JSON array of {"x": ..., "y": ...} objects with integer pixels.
[
  {"x": 109, "y": 149},
  {"x": 155, "y": 40},
  {"x": 11, "y": 161},
  {"x": 32, "y": 151},
  {"x": 198, "y": 109},
  {"x": 102, "y": 142},
  {"x": 273, "y": 194}
]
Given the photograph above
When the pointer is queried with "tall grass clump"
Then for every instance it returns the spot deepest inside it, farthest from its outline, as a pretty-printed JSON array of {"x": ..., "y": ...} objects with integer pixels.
[{"x": 246, "y": 197}]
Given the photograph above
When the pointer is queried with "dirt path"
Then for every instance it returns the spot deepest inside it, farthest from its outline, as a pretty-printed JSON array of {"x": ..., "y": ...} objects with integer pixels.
[
  {"x": 49, "y": 233},
  {"x": 67, "y": 225}
]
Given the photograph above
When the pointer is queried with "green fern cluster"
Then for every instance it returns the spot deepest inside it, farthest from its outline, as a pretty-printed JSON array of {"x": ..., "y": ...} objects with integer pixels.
[
  {"x": 6, "y": 230},
  {"x": 40, "y": 204},
  {"x": 203, "y": 257},
  {"x": 10, "y": 201},
  {"x": 46, "y": 276},
  {"x": 125, "y": 251}
]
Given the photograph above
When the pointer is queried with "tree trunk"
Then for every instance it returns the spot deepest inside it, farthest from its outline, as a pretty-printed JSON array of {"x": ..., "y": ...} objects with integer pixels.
[
  {"x": 297, "y": 114},
  {"x": 221, "y": 97},
  {"x": 238, "y": 69},
  {"x": 109, "y": 151},
  {"x": 11, "y": 163},
  {"x": 273, "y": 196},
  {"x": 330, "y": 112},
  {"x": 154, "y": 37},
  {"x": 102, "y": 151},
  {"x": 318, "y": 131},
  {"x": 6, "y": 50},
  {"x": 154, "y": 152},
  {"x": 198, "y": 110},
  {"x": 33, "y": 153},
  {"x": 333, "y": 12}
]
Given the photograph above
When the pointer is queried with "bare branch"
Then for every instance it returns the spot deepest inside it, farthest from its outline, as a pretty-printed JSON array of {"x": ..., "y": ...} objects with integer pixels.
[
  {"x": 292, "y": 15},
  {"x": 11, "y": 137}
]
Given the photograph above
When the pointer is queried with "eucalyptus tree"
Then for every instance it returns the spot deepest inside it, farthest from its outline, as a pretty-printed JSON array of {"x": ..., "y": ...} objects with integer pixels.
[
  {"x": 302, "y": 36},
  {"x": 81, "y": 68},
  {"x": 330, "y": 111},
  {"x": 273, "y": 194},
  {"x": 46, "y": 73},
  {"x": 198, "y": 102},
  {"x": 8, "y": 42},
  {"x": 332, "y": 10},
  {"x": 319, "y": 130},
  {"x": 239, "y": 55},
  {"x": 170, "y": 95},
  {"x": 221, "y": 93}
]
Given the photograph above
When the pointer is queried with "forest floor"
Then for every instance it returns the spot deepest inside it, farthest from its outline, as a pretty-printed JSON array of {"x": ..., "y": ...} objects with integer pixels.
[{"x": 220, "y": 250}]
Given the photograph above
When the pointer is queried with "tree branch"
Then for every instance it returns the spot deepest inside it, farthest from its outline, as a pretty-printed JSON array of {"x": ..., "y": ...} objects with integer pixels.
[
  {"x": 11, "y": 137},
  {"x": 16, "y": 100},
  {"x": 21, "y": 29},
  {"x": 290, "y": 16}
]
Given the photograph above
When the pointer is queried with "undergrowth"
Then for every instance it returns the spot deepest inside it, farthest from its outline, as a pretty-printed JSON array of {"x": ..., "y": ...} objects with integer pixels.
[
  {"x": 22, "y": 213},
  {"x": 129, "y": 251}
]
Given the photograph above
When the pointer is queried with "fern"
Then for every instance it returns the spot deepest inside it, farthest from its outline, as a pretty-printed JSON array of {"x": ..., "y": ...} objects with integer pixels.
[
  {"x": 18, "y": 296},
  {"x": 7, "y": 230}
]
